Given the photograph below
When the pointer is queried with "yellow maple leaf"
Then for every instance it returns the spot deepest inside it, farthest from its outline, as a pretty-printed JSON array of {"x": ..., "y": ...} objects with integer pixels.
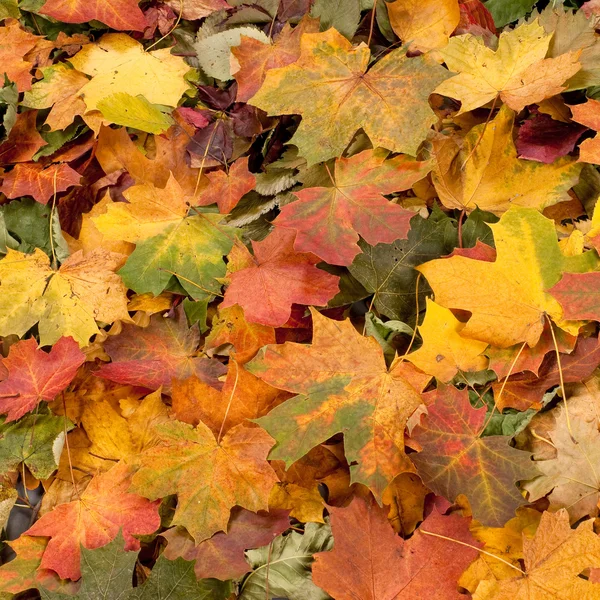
[
  {"x": 483, "y": 171},
  {"x": 118, "y": 63},
  {"x": 444, "y": 352},
  {"x": 516, "y": 72},
  {"x": 424, "y": 24},
  {"x": 67, "y": 301}
]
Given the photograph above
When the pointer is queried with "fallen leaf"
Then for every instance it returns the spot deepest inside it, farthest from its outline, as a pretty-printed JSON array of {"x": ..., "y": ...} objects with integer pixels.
[{"x": 123, "y": 14}]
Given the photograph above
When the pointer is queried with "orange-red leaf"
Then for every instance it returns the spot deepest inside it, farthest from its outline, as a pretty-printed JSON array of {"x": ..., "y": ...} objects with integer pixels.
[
  {"x": 34, "y": 375},
  {"x": 579, "y": 295},
  {"x": 117, "y": 14},
  {"x": 32, "y": 179},
  {"x": 276, "y": 278},
  {"x": 94, "y": 520}
]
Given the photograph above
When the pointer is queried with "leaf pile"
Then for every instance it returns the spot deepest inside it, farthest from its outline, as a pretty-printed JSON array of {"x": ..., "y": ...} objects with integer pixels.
[{"x": 300, "y": 299}]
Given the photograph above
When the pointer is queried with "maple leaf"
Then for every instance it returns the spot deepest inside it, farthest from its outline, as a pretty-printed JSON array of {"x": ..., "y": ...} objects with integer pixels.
[
  {"x": 59, "y": 91},
  {"x": 517, "y": 72},
  {"x": 456, "y": 459},
  {"x": 483, "y": 170},
  {"x": 227, "y": 189},
  {"x": 243, "y": 397},
  {"x": 267, "y": 284},
  {"x": 32, "y": 179},
  {"x": 123, "y": 14},
  {"x": 209, "y": 475},
  {"x": 222, "y": 556},
  {"x": 35, "y": 441},
  {"x": 33, "y": 376},
  {"x": 389, "y": 101},
  {"x": 417, "y": 564},
  {"x": 588, "y": 114},
  {"x": 255, "y": 58},
  {"x": 444, "y": 352},
  {"x": 553, "y": 560},
  {"x": 118, "y": 63},
  {"x": 328, "y": 220},
  {"x": 15, "y": 44},
  {"x": 94, "y": 520},
  {"x": 153, "y": 356},
  {"x": 64, "y": 302},
  {"x": 578, "y": 295},
  {"x": 23, "y": 140},
  {"x": 230, "y": 327},
  {"x": 344, "y": 386},
  {"x": 424, "y": 25},
  {"x": 508, "y": 307}
]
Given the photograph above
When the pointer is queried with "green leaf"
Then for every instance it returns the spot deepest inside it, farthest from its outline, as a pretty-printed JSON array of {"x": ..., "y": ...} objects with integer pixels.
[
  {"x": 193, "y": 250},
  {"x": 214, "y": 50},
  {"x": 9, "y": 96},
  {"x": 196, "y": 313},
  {"x": 57, "y": 139},
  {"x": 385, "y": 333},
  {"x": 9, "y": 8},
  {"x": 289, "y": 558},
  {"x": 506, "y": 11},
  {"x": 134, "y": 111},
  {"x": 176, "y": 580},
  {"x": 344, "y": 15},
  {"x": 36, "y": 440}
]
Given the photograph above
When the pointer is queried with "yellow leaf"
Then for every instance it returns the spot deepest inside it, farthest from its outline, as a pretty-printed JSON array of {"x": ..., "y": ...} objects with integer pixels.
[
  {"x": 134, "y": 111},
  {"x": 444, "y": 352},
  {"x": 118, "y": 63},
  {"x": 483, "y": 170},
  {"x": 516, "y": 72},
  {"x": 425, "y": 24},
  {"x": 65, "y": 302}
]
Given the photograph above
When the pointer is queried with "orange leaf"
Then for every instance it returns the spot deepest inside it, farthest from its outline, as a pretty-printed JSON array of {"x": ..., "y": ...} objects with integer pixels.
[{"x": 117, "y": 14}]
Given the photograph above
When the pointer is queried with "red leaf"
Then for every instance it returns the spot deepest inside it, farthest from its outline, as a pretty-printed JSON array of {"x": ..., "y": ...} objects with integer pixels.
[
  {"x": 117, "y": 14},
  {"x": 276, "y": 278},
  {"x": 222, "y": 556},
  {"x": 23, "y": 140},
  {"x": 153, "y": 356},
  {"x": 94, "y": 520},
  {"x": 34, "y": 375},
  {"x": 369, "y": 561},
  {"x": 32, "y": 179},
  {"x": 579, "y": 295}
]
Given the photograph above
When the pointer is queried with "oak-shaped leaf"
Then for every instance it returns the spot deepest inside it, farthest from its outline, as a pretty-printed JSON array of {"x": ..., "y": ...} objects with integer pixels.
[
  {"x": 554, "y": 559},
  {"x": 153, "y": 356},
  {"x": 388, "y": 100},
  {"x": 222, "y": 556},
  {"x": 35, "y": 441},
  {"x": 455, "y": 459},
  {"x": 517, "y": 72},
  {"x": 210, "y": 475},
  {"x": 64, "y": 302},
  {"x": 508, "y": 298},
  {"x": 289, "y": 559},
  {"x": 32, "y": 375},
  {"x": 267, "y": 284},
  {"x": 482, "y": 170},
  {"x": 94, "y": 520},
  {"x": 423, "y": 567},
  {"x": 344, "y": 387},
  {"x": 328, "y": 220}
]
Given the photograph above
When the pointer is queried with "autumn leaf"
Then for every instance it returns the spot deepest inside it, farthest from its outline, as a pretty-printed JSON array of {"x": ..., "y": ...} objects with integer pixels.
[
  {"x": 153, "y": 356},
  {"x": 33, "y": 376},
  {"x": 553, "y": 560},
  {"x": 482, "y": 170},
  {"x": 23, "y": 140},
  {"x": 267, "y": 284},
  {"x": 444, "y": 352},
  {"x": 424, "y": 25},
  {"x": 64, "y": 302},
  {"x": 417, "y": 563},
  {"x": 393, "y": 91},
  {"x": 125, "y": 14},
  {"x": 94, "y": 520},
  {"x": 456, "y": 459},
  {"x": 209, "y": 475},
  {"x": 32, "y": 179},
  {"x": 508, "y": 308},
  {"x": 517, "y": 72},
  {"x": 328, "y": 220},
  {"x": 344, "y": 386},
  {"x": 15, "y": 44},
  {"x": 222, "y": 556}
]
